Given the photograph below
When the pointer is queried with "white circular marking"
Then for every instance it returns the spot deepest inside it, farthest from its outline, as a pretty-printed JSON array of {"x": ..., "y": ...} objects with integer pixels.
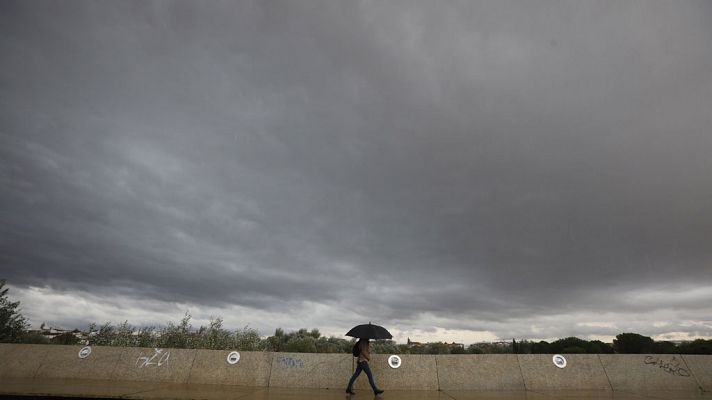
[
  {"x": 233, "y": 358},
  {"x": 84, "y": 352},
  {"x": 394, "y": 361},
  {"x": 559, "y": 360}
]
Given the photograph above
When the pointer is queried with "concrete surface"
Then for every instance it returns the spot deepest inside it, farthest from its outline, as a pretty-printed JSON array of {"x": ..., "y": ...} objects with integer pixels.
[
  {"x": 701, "y": 369},
  {"x": 5, "y": 347},
  {"x": 417, "y": 372},
  {"x": 157, "y": 390},
  {"x": 306, "y": 370},
  {"x": 582, "y": 372},
  {"x": 155, "y": 365},
  {"x": 211, "y": 367},
  {"x": 647, "y": 373},
  {"x": 64, "y": 362},
  {"x": 22, "y": 360},
  {"x": 147, "y": 373},
  {"x": 485, "y": 372},
  {"x": 203, "y": 392},
  {"x": 73, "y": 387}
]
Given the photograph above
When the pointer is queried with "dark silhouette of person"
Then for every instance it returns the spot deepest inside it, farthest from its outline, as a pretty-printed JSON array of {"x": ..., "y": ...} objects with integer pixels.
[{"x": 364, "y": 356}]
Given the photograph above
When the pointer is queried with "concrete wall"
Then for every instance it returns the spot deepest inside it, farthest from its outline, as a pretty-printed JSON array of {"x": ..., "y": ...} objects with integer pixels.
[
  {"x": 582, "y": 372},
  {"x": 307, "y": 370},
  {"x": 64, "y": 362},
  {"x": 416, "y": 372},
  {"x": 485, "y": 372},
  {"x": 701, "y": 368},
  {"x": 644, "y": 373},
  {"x": 22, "y": 360},
  {"x": 211, "y": 367},
  {"x": 154, "y": 365}
]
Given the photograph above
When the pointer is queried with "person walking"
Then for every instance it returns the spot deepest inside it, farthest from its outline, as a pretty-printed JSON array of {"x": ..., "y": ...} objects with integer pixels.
[{"x": 364, "y": 356}]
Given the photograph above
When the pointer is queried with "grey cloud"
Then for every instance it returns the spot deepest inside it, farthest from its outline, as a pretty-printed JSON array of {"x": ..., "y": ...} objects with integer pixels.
[{"x": 491, "y": 160}]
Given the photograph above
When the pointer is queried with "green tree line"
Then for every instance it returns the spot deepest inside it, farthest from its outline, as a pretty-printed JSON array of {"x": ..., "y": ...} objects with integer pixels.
[{"x": 14, "y": 329}]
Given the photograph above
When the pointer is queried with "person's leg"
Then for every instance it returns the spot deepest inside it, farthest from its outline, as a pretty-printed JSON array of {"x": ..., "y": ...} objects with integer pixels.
[
  {"x": 367, "y": 369},
  {"x": 354, "y": 376}
]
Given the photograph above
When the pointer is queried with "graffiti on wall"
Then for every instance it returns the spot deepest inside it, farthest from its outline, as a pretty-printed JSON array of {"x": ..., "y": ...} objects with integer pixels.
[
  {"x": 158, "y": 358},
  {"x": 290, "y": 362},
  {"x": 671, "y": 367}
]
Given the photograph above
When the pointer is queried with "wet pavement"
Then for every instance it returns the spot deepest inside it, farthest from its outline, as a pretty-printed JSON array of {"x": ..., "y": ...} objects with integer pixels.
[{"x": 153, "y": 390}]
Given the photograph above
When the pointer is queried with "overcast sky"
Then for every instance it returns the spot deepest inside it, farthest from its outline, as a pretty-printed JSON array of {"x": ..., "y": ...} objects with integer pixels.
[{"x": 451, "y": 170}]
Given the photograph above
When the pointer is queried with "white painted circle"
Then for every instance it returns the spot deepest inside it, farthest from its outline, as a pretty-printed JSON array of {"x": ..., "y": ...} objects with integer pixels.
[
  {"x": 394, "y": 361},
  {"x": 84, "y": 352},
  {"x": 559, "y": 360},
  {"x": 233, "y": 358}
]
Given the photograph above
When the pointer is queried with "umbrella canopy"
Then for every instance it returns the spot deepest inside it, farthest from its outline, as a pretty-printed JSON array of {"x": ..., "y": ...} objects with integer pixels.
[{"x": 369, "y": 331}]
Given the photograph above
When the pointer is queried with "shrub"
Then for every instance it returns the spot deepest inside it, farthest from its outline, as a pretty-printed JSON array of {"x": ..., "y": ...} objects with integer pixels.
[
  {"x": 66, "y": 338},
  {"x": 12, "y": 324}
]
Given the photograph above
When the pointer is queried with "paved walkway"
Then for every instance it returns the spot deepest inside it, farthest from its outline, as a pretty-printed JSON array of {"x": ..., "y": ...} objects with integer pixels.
[{"x": 155, "y": 391}]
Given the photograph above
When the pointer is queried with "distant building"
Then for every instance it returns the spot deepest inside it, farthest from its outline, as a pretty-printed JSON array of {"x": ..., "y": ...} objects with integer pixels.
[
  {"x": 50, "y": 333},
  {"x": 454, "y": 345},
  {"x": 411, "y": 344}
]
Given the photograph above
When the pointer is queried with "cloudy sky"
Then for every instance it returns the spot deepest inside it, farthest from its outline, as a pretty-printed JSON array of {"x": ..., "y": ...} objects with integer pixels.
[{"x": 451, "y": 170}]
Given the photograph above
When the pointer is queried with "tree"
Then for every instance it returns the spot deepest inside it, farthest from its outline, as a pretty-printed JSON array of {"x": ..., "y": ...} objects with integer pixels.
[
  {"x": 570, "y": 345},
  {"x": 33, "y": 338},
  {"x": 437, "y": 348},
  {"x": 213, "y": 336},
  {"x": 633, "y": 343},
  {"x": 103, "y": 336},
  {"x": 124, "y": 335},
  {"x": 385, "y": 347},
  {"x": 598, "y": 347},
  {"x": 177, "y": 336},
  {"x": 542, "y": 347},
  {"x": 12, "y": 324},
  {"x": 247, "y": 339},
  {"x": 275, "y": 342},
  {"x": 66, "y": 338},
  {"x": 147, "y": 337},
  {"x": 666, "y": 347},
  {"x": 525, "y": 347},
  {"x": 301, "y": 344},
  {"x": 699, "y": 346},
  {"x": 458, "y": 350}
]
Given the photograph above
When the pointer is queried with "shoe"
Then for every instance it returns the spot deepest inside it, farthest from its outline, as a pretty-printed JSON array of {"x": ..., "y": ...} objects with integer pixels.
[
  {"x": 349, "y": 391},
  {"x": 377, "y": 392}
]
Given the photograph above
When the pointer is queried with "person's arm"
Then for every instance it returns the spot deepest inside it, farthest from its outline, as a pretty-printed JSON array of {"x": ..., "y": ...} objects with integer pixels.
[{"x": 366, "y": 351}]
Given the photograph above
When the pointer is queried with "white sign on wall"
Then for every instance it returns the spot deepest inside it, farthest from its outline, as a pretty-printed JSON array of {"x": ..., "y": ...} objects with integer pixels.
[
  {"x": 394, "y": 361},
  {"x": 559, "y": 360},
  {"x": 233, "y": 358},
  {"x": 84, "y": 352}
]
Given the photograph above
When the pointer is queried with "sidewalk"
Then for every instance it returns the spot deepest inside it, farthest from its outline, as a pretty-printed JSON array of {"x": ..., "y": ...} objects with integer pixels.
[{"x": 155, "y": 391}]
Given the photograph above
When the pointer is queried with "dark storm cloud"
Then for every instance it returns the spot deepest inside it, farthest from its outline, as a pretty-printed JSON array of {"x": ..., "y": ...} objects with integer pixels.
[{"x": 494, "y": 161}]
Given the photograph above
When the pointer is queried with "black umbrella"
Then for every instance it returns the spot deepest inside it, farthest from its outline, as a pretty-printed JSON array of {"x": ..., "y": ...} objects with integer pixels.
[{"x": 369, "y": 331}]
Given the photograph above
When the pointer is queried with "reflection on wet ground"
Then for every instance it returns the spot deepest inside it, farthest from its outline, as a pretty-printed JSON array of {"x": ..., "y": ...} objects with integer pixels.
[{"x": 152, "y": 390}]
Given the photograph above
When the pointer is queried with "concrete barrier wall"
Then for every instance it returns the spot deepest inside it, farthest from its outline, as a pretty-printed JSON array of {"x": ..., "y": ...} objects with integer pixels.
[
  {"x": 307, "y": 370},
  {"x": 22, "y": 360},
  {"x": 154, "y": 365},
  {"x": 647, "y": 373},
  {"x": 211, "y": 367},
  {"x": 485, "y": 372},
  {"x": 582, "y": 372},
  {"x": 416, "y": 372},
  {"x": 64, "y": 362},
  {"x": 701, "y": 368}
]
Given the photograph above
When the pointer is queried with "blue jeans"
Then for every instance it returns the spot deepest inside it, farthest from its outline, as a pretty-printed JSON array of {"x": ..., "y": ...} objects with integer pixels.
[{"x": 362, "y": 366}]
